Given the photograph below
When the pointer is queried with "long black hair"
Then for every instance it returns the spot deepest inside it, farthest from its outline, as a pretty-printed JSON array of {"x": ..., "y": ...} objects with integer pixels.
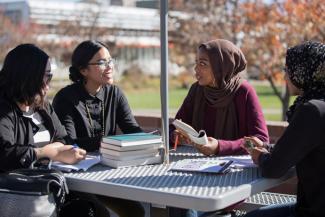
[
  {"x": 21, "y": 77},
  {"x": 81, "y": 56}
]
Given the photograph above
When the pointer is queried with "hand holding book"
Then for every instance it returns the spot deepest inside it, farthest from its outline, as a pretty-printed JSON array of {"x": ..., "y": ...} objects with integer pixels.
[
  {"x": 211, "y": 148},
  {"x": 190, "y": 133}
]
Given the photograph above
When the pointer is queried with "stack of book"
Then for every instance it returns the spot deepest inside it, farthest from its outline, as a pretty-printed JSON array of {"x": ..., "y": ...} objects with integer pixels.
[{"x": 131, "y": 149}]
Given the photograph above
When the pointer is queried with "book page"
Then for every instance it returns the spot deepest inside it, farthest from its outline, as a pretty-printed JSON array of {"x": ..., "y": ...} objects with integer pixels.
[{"x": 185, "y": 128}]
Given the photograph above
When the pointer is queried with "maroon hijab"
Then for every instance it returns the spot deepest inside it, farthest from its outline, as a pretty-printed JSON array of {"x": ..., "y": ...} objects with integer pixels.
[{"x": 227, "y": 61}]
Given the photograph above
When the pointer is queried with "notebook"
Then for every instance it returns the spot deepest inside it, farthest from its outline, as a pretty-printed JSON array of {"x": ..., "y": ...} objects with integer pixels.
[{"x": 91, "y": 160}]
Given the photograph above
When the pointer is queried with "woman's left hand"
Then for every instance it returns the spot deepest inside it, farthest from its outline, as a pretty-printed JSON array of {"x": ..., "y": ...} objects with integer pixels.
[
  {"x": 208, "y": 149},
  {"x": 256, "y": 152}
]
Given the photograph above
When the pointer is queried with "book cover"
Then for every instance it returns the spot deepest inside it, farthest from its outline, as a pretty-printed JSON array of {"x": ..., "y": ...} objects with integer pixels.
[
  {"x": 135, "y": 162},
  {"x": 196, "y": 137},
  {"x": 131, "y": 147},
  {"x": 132, "y": 139},
  {"x": 202, "y": 165}
]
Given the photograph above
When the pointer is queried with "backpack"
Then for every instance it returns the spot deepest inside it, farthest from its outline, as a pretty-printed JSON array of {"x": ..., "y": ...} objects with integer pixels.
[{"x": 35, "y": 192}]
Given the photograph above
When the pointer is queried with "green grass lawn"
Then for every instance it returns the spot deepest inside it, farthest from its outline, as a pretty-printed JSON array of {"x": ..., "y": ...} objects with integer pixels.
[{"x": 150, "y": 99}]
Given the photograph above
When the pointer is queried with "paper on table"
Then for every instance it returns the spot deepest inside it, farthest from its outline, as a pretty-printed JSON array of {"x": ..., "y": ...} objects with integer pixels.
[
  {"x": 91, "y": 160},
  {"x": 241, "y": 161},
  {"x": 202, "y": 165}
]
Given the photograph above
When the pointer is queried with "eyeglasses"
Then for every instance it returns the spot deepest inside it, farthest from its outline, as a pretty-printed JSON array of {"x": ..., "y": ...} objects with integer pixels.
[
  {"x": 47, "y": 77},
  {"x": 285, "y": 69},
  {"x": 104, "y": 64}
]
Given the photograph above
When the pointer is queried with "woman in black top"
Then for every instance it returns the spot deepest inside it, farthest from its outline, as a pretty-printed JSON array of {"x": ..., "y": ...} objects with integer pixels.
[
  {"x": 92, "y": 106},
  {"x": 29, "y": 128},
  {"x": 303, "y": 143}
]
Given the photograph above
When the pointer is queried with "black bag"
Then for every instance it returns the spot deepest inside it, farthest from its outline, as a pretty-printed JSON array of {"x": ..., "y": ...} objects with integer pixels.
[{"x": 35, "y": 192}]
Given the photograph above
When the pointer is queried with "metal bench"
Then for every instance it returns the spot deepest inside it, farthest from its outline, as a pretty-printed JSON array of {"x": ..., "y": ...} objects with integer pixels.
[
  {"x": 256, "y": 201},
  {"x": 263, "y": 199}
]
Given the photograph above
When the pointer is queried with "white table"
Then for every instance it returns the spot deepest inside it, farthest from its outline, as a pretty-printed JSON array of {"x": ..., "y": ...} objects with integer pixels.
[{"x": 156, "y": 184}]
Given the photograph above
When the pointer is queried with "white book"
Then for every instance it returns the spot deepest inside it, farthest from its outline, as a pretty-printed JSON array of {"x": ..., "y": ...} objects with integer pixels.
[
  {"x": 136, "y": 162},
  {"x": 130, "y": 157},
  {"x": 196, "y": 137},
  {"x": 130, "y": 147},
  {"x": 127, "y": 153}
]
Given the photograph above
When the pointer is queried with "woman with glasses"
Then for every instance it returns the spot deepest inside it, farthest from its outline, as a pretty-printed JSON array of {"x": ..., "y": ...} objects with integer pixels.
[
  {"x": 93, "y": 107},
  {"x": 29, "y": 127},
  {"x": 221, "y": 103},
  {"x": 303, "y": 143}
]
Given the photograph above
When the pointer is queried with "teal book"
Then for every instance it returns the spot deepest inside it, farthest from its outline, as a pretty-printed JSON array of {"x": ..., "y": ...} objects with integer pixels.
[{"x": 132, "y": 139}]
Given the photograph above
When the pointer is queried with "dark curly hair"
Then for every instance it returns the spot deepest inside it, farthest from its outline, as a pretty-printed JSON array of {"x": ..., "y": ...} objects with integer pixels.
[
  {"x": 21, "y": 77},
  {"x": 81, "y": 56}
]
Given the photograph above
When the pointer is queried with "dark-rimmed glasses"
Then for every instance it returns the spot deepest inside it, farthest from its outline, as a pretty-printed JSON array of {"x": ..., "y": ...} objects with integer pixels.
[
  {"x": 103, "y": 64},
  {"x": 47, "y": 77}
]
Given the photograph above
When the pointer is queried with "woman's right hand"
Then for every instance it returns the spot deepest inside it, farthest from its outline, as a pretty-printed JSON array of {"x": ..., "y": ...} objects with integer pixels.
[
  {"x": 69, "y": 154},
  {"x": 63, "y": 153},
  {"x": 257, "y": 150}
]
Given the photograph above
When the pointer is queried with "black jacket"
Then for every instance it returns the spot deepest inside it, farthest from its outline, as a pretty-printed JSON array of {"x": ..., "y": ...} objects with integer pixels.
[
  {"x": 302, "y": 145},
  {"x": 16, "y": 134},
  {"x": 70, "y": 106}
]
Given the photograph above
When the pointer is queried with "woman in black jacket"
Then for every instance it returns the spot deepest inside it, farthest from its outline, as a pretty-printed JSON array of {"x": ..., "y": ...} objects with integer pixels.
[
  {"x": 303, "y": 143},
  {"x": 29, "y": 127},
  {"x": 93, "y": 107}
]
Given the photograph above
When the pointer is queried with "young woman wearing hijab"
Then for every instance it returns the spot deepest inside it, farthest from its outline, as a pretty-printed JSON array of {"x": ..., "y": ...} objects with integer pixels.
[
  {"x": 92, "y": 107},
  {"x": 303, "y": 143},
  {"x": 29, "y": 127},
  {"x": 221, "y": 103}
]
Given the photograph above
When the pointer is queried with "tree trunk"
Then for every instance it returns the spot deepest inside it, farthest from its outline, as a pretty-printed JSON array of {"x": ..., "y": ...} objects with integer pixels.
[
  {"x": 285, "y": 99},
  {"x": 284, "y": 96}
]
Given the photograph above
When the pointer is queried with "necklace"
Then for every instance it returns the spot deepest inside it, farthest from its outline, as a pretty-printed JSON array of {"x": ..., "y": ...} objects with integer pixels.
[{"x": 91, "y": 120}]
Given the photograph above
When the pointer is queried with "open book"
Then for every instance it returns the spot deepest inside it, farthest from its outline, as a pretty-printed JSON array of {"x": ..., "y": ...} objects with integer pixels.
[
  {"x": 196, "y": 137},
  {"x": 202, "y": 165}
]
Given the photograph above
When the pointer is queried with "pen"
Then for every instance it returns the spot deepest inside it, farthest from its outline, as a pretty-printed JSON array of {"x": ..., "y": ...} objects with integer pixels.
[
  {"x": 226, "y": 166},
  {"x": 75, "y": 146},
  {"x": 153, "y": 132},
  {"x": 176, "y": 142}
]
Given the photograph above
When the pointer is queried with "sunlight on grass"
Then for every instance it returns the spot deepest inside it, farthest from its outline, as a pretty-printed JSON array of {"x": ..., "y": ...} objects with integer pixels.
[{"x": 150, "y": 99}]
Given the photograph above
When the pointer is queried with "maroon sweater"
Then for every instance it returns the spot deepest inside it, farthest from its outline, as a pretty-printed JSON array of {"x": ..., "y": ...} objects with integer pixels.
[{"x": 250, "y": 118}]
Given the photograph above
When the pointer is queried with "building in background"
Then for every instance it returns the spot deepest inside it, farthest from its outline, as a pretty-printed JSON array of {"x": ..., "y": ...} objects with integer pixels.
[{"x": 131, "y": 28}]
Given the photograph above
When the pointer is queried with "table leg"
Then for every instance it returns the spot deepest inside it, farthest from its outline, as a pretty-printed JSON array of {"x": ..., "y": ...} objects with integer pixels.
[{"x": 158, "y": 211}]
